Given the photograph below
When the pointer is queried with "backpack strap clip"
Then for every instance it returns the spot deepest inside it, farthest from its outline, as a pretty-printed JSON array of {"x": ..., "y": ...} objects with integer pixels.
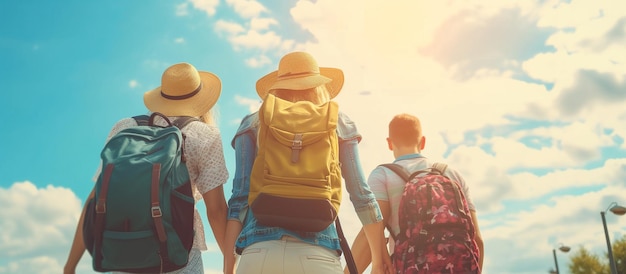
[
  {"x": 296, "y": 146},
  {"x": 156, "y": 208},
  {"x": 156, "y": 211}
]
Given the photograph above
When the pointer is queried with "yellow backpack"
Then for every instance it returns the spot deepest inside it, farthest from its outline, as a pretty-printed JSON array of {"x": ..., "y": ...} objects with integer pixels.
[{"x": 296, "y": 176}]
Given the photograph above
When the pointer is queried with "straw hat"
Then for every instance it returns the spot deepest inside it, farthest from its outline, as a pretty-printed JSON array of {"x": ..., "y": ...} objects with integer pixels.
[
  {"x": 299, "y": 71},
  {"x": 184, "y": 91}
]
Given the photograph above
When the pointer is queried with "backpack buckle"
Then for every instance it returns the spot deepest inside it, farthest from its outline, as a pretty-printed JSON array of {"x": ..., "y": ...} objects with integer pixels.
[
  {"x": 156, "y": 211},
  {"x": 101, "y": 207},
  {"x": 296, "y": 146}
]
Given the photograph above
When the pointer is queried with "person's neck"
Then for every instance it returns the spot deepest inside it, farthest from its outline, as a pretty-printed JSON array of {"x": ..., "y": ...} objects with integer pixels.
[{"x": 397, "y": 152}]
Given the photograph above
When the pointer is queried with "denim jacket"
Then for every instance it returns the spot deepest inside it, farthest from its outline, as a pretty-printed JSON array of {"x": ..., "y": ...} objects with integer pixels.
[{"x": 362, "y": 198}]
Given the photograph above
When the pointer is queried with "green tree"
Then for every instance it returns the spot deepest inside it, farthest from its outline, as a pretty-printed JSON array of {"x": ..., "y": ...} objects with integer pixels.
[{"x": 583, "y": 262}]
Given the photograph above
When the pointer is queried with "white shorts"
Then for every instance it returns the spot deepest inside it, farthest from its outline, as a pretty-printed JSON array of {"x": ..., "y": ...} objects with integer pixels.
[{"x": 288, "y": 255}]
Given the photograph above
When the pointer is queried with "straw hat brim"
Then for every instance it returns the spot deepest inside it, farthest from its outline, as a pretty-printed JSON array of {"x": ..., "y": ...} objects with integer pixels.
[
  {"x": 331, "y": 77},
  {"x": 195, "y": 106}
]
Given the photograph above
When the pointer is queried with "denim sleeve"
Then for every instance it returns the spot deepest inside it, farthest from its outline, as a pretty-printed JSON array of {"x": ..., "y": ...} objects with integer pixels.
[
  {"x": 346, "y": 129},
  {"x": 245, "y": 149},
  {"x": 361, "y": 196}
]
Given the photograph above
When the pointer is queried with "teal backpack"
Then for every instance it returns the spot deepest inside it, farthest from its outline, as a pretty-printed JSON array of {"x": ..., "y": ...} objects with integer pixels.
[{"x": 141, "y": 218}]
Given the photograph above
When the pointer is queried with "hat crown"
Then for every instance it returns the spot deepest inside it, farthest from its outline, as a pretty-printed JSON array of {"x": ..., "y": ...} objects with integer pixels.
[
  {"x": 180, "y": 79},
  {"x": 299, "y": 71},
  {"x": 297, "y": 64}
]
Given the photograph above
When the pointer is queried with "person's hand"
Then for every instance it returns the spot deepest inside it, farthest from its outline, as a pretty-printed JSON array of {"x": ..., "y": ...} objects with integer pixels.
[
  {"x": 388, "y": 264},
  {"x": 68, "y": 269},
  {"x": 378, "y": 269},
  {"x": 384, "y": 267}
]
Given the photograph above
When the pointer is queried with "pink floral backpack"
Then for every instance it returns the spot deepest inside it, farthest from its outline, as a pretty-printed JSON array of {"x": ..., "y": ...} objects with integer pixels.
[{"x": 436, "y": 228}]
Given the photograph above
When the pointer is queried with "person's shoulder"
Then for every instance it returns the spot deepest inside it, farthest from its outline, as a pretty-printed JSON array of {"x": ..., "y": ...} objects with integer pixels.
[
  {"x": 380, "y": 169},
  {"x": 453, "y": 173},
  {"x": 199, "y": 125},
  {"x": 346, "y": 128},
  {"x": 384, "y": 175},
  {"x": 249, "y": 124},
  {"x": 124, "y": 123},
  {"x": 200, "y": 130}
]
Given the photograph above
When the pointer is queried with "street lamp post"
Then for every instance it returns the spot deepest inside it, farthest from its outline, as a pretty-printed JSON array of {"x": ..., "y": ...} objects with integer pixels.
[
  {"x": 562, "y": 248},
  {"x": 617, "y": 210}
]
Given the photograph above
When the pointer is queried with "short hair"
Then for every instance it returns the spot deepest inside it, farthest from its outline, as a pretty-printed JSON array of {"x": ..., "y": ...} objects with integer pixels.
[{"x": 405, "y": 130}]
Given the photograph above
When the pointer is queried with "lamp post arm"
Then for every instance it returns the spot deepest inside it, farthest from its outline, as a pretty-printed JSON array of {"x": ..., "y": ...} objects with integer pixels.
[{"x": 608, "y": 244}]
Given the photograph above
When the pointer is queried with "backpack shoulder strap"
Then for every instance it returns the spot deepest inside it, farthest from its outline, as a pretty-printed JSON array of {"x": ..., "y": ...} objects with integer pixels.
[
  {"x": 440, "y": 167},
  {"x": 399, "y": 170},
  {"x": 184, "y": 121},
  {"x": 405, "y": 175},
  {"x": 345, "y": 247},
  {"x": 142, "y": 120}
]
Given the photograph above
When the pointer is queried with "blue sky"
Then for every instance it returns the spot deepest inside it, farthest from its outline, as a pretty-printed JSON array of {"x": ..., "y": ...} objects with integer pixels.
[{"x": 525, "y": 98}]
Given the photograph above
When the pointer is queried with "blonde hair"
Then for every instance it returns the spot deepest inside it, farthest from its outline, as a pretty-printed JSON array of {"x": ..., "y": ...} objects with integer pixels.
[
  {"x": 210, "y": 117},
  {"x": 317, "y": 95}
]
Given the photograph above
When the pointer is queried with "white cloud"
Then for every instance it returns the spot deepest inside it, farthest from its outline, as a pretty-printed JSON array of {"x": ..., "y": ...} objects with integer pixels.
[
  {"x": 182, "y": 9},
  {"x": 247, "y": 8},
  {"x": 179, "y": 40},
  {"x": 41, "y": 265},
  {"x": 49, "y": 222},
  {"x": 38, "y": 225},
  {"x": 262, "y": 23},
  {"x": 256, "y": 40},
  {"x": 230, "y": 28},
  {"x": 256, "y": 62},
  {"x": 208, "y": 6},
  {"x": 133, "y": 84},
  {"x": 253, "y": 32},
  {"x": 253, "y": 104},
  {"x": 253, "y": 38},
  {"x": 572, "y": 220}
]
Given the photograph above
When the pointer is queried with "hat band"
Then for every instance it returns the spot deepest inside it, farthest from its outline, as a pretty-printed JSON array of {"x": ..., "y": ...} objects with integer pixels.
[
  {"x": 297, "y": 75},
  {"x": 182, "y": 97}
]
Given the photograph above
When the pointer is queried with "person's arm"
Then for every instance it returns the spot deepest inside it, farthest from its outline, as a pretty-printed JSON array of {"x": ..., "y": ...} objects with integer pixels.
[
  {"x": 78, "y": 246},
  {"x": 479, "y": 239},
  {"x": 365, "y": 204},
  {"x": 233, "y": 228},
  {"x": 360, "y": 247},
  {"x": 216, "y": 214},
  {"x": 245, "y": 148},
  {"x": 207, "y": 158},
  {"x": 361, "y": 252},
  {"x": 381, "y": 262}
]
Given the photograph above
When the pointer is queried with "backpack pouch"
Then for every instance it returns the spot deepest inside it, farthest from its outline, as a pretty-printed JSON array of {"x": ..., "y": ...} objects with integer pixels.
[
  {"x": 136, "y": 249},
  {"x": 296, "y": 214},
  {"x": 182, "y": 214}
]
